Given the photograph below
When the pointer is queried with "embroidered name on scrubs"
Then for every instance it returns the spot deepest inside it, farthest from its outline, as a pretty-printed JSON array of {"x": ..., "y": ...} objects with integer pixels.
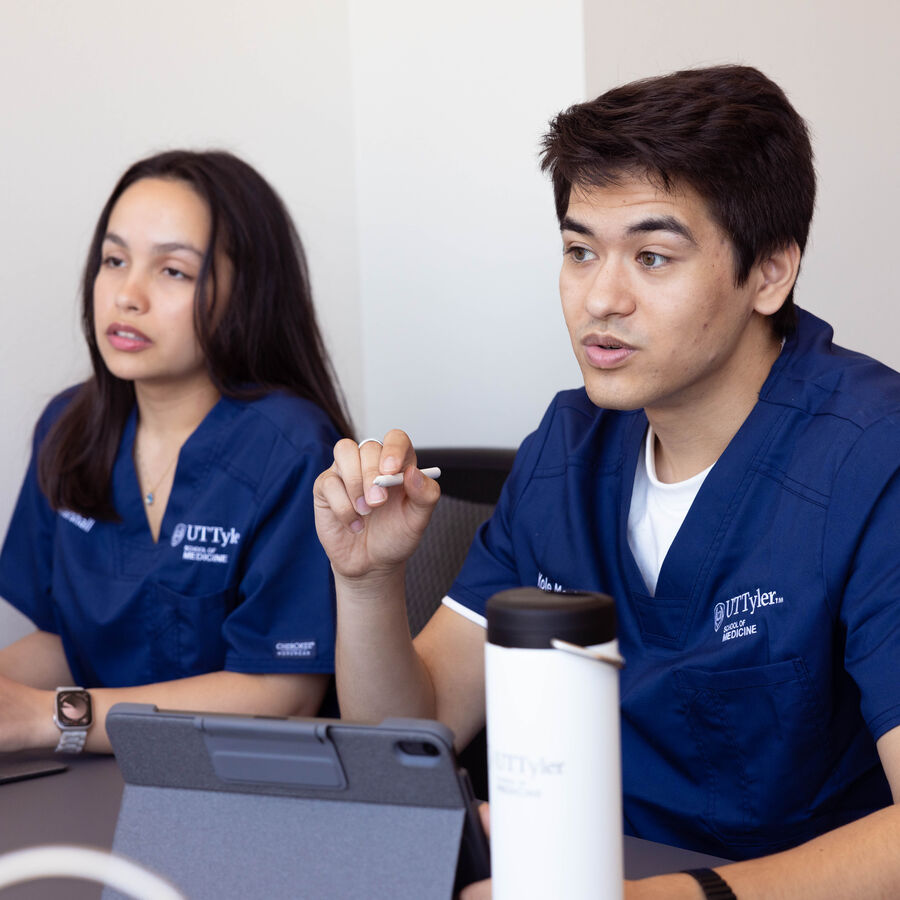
[
  {"x": 545, "y": 584},
  {"x": 204, "y": 543},
  {"x": 743, "y": 604},
  {"x": 78, "y": 521}
]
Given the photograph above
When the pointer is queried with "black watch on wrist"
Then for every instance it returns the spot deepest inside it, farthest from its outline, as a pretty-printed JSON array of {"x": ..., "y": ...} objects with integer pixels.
[
  {"x": 73, "y": 716},
  {"x": 714, "y": 886}
]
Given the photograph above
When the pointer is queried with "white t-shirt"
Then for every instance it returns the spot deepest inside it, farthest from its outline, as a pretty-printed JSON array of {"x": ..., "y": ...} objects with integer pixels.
[{"x": 656, "y": 513}]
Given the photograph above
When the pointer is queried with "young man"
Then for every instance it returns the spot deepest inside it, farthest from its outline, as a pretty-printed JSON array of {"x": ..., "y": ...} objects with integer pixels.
[{"x": 728, "y": 475}]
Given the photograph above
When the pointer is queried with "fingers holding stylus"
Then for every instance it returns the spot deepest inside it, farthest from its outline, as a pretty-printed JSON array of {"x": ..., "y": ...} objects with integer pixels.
[
  {"x": 397, "y": 466},
  {"x": 367, "y": 470},
  {"x": 346, "y": 496}
]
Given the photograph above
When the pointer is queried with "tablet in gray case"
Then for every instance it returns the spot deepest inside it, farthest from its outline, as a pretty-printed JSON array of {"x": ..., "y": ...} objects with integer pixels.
[{"x": 242, "y": 806}]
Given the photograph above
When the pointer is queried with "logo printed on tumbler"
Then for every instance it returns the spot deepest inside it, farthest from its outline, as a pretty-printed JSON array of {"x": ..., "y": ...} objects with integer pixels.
[{"x": 520, "y": 774}]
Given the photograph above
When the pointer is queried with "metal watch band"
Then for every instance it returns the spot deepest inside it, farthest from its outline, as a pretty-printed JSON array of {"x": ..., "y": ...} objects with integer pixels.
[
  {"x": 72, "y": 740},
  {"x": 715, "y": 887}
]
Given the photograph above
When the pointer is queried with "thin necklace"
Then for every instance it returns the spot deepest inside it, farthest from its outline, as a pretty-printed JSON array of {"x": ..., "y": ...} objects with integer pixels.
[{"x": 150, "y": 496}]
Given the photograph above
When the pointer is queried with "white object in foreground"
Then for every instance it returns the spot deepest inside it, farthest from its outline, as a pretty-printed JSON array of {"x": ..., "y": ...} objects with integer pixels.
[{"x": 68, "y": 861}]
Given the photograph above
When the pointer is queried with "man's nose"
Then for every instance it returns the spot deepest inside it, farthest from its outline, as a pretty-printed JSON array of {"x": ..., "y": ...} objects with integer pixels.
[{"x": 610, "y": 292}]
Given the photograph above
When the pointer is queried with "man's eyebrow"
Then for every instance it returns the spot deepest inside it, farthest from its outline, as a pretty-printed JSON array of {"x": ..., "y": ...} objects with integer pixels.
[
  {"x": 655, "y": 223},
  {"x": 567, "y": 224},
  {"x": 168, "y": 247},
  {"x": 662, "y": 223}
]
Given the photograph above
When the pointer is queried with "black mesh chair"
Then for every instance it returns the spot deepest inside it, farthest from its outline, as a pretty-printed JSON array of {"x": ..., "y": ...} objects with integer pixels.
[{"x": 471, "y": 479}]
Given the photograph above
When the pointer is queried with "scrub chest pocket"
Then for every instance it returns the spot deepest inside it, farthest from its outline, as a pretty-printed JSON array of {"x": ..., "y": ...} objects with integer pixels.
[
  {"x": 188, "y": 629},
  {"x": 754, "y": 731}
]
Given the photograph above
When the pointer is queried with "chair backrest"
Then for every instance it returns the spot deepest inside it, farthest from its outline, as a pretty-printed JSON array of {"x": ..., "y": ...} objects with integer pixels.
[{"x": 471, "y": 479}]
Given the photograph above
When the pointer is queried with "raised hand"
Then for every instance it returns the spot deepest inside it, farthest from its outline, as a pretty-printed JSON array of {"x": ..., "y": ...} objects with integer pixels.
[{"x": 366, "y": 529}]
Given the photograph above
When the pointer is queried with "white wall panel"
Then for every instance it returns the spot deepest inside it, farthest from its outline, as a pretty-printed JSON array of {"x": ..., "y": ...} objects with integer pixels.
[{"x": 464, "y": 342}]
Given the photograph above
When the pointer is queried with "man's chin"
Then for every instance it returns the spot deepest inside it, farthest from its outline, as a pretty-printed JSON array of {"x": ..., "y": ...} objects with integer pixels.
[{"x": 617, "y": 400}]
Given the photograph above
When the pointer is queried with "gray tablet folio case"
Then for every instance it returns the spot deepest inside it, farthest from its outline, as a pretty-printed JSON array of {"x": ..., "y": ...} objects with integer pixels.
[{"x": 239, "y": 806}]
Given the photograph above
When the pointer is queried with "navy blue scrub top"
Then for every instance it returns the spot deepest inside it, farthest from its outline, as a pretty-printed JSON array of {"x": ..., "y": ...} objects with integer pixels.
[
  {"x": 237, "y": 581},
  {"x": 759, "y": 676}
]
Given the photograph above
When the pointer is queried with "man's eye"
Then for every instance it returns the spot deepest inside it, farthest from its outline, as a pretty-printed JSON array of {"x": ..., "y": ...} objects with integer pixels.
[
  {"x": 579, "y": 254},
  {"x": 650, "y": 260}
]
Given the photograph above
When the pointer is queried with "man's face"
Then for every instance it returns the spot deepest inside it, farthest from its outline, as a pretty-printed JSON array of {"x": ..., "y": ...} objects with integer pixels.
[{"x": 648, "y": 294}]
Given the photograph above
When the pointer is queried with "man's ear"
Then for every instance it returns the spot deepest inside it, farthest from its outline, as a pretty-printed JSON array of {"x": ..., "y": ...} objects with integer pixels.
[{"x": 775, "y": 276}]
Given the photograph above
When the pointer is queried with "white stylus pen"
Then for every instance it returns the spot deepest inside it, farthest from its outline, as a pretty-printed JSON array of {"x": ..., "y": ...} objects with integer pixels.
[{"x": 393, "y": 480}]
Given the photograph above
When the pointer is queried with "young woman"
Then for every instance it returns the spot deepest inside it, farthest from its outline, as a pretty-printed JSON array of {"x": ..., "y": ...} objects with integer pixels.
[{"x": 163, "y": 543}]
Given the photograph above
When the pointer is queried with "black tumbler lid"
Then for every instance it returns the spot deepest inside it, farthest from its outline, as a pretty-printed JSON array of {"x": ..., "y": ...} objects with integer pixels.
[{"x": 529, "y": 617}]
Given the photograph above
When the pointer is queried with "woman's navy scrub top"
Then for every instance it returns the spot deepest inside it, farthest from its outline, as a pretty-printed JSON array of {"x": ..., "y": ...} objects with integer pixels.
[{"x": 238, "y": 579}]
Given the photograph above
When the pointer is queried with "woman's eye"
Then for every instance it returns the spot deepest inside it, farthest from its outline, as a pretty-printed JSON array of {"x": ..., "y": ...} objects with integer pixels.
[
  {"x": 650, "y": 260},
  {"x": 175, "y": 273},
  {"x": 113, "y": 262}
]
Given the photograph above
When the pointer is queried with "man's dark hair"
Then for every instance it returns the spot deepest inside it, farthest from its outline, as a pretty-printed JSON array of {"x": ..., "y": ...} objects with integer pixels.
[{"x": 727, "y": 131}]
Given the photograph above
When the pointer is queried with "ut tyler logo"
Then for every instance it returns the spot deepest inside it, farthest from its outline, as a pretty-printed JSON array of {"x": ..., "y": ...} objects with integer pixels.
[
  {"x": 178, "y": 537},
  {"x": 718, "y": 614}
]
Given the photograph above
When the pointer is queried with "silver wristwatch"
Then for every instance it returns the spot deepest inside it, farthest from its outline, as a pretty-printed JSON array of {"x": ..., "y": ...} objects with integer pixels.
[{"x": 73, "y": 716}]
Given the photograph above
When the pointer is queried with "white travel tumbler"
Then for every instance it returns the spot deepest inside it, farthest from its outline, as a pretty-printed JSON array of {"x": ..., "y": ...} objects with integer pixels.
[{"x": 554, "y": 768}]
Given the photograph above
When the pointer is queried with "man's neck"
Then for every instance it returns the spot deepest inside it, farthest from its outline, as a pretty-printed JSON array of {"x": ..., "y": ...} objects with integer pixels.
[{"x": 691, "y": 438}]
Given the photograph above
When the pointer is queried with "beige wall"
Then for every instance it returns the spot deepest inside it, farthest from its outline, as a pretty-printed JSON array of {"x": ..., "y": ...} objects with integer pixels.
[
  {"x": 463, "y": 335},
  {"x": 839, "y": 65}
]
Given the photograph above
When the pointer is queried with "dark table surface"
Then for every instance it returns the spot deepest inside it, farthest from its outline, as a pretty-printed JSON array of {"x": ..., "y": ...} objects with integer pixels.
[{"x": 80, "y": 806}]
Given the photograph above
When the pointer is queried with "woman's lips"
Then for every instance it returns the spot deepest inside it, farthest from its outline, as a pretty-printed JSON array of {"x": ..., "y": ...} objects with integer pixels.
[
  {"x": 606, "y": 353},
  {"x": 127, "y": 338}
]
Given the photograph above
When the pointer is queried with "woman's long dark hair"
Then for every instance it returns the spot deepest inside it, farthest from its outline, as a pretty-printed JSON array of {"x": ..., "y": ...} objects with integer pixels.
[{"x": 265, "y": 335}]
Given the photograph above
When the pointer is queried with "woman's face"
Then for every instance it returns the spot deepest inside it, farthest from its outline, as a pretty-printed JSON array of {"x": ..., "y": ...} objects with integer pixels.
[{"x": 152, "y": 251}]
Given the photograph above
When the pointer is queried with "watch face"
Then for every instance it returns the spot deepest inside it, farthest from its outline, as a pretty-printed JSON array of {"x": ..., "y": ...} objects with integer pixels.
[{"x": 73, "y": 709}]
